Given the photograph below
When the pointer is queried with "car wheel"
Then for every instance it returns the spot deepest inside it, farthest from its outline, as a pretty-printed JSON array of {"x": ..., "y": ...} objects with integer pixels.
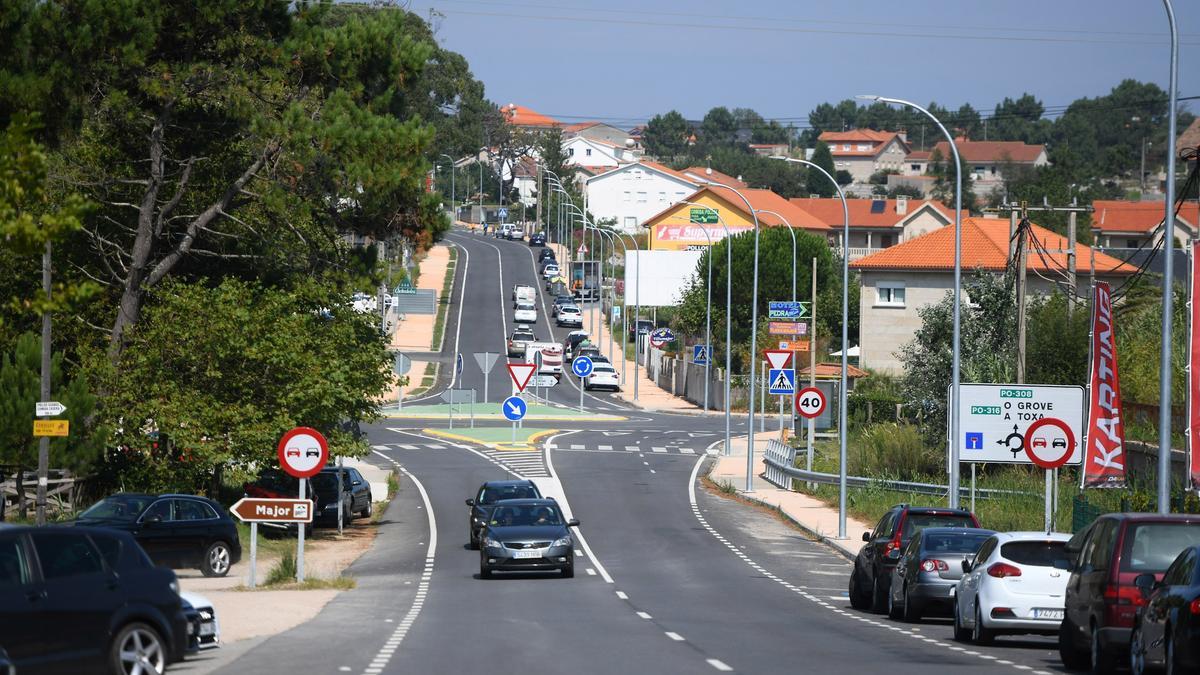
[
  {"x": 366, "y": 512},
  {"x": 138, "y": 649},
  {"x": 216, "y": 560},
  {"x": 878, "y": 595},
  {"x": 912, "y": 611},
  {"x": 961, "y": 634},
  {"x": 980, "y": 634},
  {"x": 1137, "y": 651},
  {"x": 1072, "y": 656},
  {"x": 858, "y": 599},
  {"x": 485, "y": 572},
  {"x": 894, "y": 613},
  {"x": 1102, "y": 663},
  {"x": 568, "y": 572}
]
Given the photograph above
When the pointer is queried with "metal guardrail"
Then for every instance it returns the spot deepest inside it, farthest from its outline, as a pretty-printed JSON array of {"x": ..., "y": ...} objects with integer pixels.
[{"x": 780, "y": 469}]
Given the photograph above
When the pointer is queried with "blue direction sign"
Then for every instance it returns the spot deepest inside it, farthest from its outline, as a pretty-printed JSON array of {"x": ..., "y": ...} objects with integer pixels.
[
  {"x": 700, "y": 354},
  {"x": 781, "y": 381},
  {"x": 786, "y": 310},
  {"x": 582, "y": 366},
  {"x": 514, "y": 408}
]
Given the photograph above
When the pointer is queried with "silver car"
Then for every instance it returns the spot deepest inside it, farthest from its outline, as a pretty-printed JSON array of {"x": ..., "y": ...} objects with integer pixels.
[
  {"x": 527, "y": 535},
  {"x": 929, "y": 569}
]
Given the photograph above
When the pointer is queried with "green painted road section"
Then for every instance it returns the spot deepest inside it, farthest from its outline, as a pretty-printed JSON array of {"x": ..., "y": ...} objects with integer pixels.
[{"x": 491, "y": 412}]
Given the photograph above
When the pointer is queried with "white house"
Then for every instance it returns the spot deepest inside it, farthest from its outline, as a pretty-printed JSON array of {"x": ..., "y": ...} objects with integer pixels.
[
  {"x": 591, "y": 153},
  {"x": 632, "y": 193}
]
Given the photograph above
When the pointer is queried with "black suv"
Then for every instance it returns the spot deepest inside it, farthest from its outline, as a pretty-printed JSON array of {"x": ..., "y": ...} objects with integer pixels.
[
  {"x": 491, "y": 492},
  {"x": 537, "y": 239},
  {"x": 358, "y": 487},
  {"x": 871, "y": 578},
  {"x": 86, "y": 600},
  {"x": 175, "y": 530},
  {"x": 545, "y": 254}
]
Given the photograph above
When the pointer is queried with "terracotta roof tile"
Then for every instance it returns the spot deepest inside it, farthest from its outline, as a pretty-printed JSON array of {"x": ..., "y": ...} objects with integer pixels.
[
  {"x": 989, "y": 151},
  {"x": 985, "y": 246},
  {"x": 521, "y": 116},
  {"x": 857, "y": 135},
  {"x": 863, "y": 212},
  {"x": 700, "y": 173},
  {"x": 1190, "y": 138},
  {"x": 832, "y": 370},
  {"x": 760, "y": 200},
  {"x": 1143, "y": 217}
]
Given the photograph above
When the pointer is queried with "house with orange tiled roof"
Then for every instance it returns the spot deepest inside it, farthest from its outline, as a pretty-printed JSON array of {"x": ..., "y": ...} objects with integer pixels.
[
  {"x": 527, "y": 118},
  {"x": 863, "y": 152},
  {"x": 1122, "y": 224},
  {"x": 897, "y": 282},
  {"x": 703, "y": 174},
  {"x": 631, "y": 193},
  {"x": 878, "y": 223},
  {"x": 685, "y": 226},
  {"x": 984, "y": 161}
]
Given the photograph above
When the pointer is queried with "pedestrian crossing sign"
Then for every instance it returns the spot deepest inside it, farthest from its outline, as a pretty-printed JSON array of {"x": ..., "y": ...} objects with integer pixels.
[{"x": 781, "y": 381}]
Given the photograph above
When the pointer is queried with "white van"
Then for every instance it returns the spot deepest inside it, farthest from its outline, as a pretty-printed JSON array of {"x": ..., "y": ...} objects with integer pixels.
[{"x": 522, "y": 293}]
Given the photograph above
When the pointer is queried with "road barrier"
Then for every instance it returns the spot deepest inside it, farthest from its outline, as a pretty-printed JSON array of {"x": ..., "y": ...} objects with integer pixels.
[{"x": 780, "y": 462}]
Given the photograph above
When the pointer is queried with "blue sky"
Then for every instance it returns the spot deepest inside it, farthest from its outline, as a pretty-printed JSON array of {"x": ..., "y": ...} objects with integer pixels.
[{"x": 623, "y": 61}]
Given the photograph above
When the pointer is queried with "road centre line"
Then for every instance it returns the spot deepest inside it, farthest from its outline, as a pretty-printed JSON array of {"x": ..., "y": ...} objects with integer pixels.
[{"x": 566, "y": 507}]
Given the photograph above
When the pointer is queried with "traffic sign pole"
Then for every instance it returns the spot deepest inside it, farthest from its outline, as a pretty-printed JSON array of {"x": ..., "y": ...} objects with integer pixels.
[
  {"x": 300, "y": 539},
  {"x": 254, "y": 549}
]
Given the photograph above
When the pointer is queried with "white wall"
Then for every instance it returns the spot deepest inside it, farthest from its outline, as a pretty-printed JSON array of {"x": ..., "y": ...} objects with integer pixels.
[
  {"x": 633, "y": 194},
  {"x": 664, "y": 277}
]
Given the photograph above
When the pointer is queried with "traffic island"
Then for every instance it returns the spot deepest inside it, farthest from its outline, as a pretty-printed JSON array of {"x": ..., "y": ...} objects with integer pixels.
[
  {"x": 490, "y": 412},
  {"x": 497, "y": 438}
]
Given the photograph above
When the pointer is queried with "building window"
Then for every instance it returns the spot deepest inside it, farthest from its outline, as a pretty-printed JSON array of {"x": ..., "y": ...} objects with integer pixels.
[
  {"x": 625, "y": 196},
  {"x": 979, "y": 170},
  {"x": 570, "y": 152},
  {"x": 641, "y": 197},
  {"x": 846, "y": 147},
  {"x": 662, "y": 197},
  {"x": 863, "y": 147},
  {"x": 890, "y": 293},
  {"x": 1131, "y": 243},
  {"x": 915, "y": 167},
  {"x": 588, "y": 152}
]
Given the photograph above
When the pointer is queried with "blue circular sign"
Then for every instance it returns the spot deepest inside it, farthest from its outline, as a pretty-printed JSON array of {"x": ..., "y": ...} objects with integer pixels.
[
  {"x": 514, "y": 408},
  {"x": 582, "y": 366}
]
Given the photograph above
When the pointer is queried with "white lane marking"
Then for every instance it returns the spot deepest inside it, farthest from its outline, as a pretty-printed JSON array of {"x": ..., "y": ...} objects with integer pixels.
[
  {"x": 621, "y": 595},
  {"x": 644, "y": 615},
  {"x": 658, "y": 449},
  {"x": 605, "y": 447},
  {"x": 557, "y": 486},
  {"x": 434, "y": 446},
  {"x": 384, "y": 655},
  {"x": 407, "y": 447},
  {"x": 576, "y": 446},
  {"x": 653, "y": 471},
  {"x": 632, "y": 448},
  {"x": 379, "y": 447},
  {"x": 719, "y": 665},
  {"x": 675, "y": 636},
  {"x": 591, "y": 572},
  {"x": 687, "y": 451}
]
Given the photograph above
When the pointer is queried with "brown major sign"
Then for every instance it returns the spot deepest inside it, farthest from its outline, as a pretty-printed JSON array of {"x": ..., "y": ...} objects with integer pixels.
[{"x": 260, "y": 510}]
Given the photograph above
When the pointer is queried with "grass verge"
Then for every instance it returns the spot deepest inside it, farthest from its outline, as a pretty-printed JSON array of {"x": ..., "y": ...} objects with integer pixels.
[
  {"x": 439, "y": 325},
  {"x": 267, "y": 546}
]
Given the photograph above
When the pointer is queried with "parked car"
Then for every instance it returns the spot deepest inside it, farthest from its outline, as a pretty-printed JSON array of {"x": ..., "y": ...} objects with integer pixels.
[
  {"x": 519, "y": 340},
  {"x": 526, "y": 312},
  {"x": 537, "y": 239},
  {"x": 527, "y": 535},
  {"x": 550, "y": 270},
  {"x": 500, "y": 231},
  {"x": 1166, "y": 631},
  {"x": 572, "y": 341},
  {"x": 569, "y": 315},
  {"x": 486, "y": 497},
  {"x": 603, "y": 375},
  {"x": 871, "y": 577},
  {"x": 175, "y": 530},
  {"x": 641, "y": 326},
  {"x": 545, "y": 254},
  {"x": 1015, "y": 584},
  {"x": 358, "y": 487},
  {"x": 515, "y": 233},
  {"x": 86, "y": 600},
  {"x": 323, "y": 488},
  {"x": 1101, "y": 599},
  {"x": 929, "y": 568},
  {"x": 206, "y": 631}
]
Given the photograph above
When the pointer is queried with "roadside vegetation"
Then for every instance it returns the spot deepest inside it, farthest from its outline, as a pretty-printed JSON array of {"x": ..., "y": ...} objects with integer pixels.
[{"x": 444, "y": 299}]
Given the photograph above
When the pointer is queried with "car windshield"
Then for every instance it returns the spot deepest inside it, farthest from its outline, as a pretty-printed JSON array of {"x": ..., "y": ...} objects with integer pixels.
[
  {"x": 915, "y": 522},
  {"x": 525, "y": 516},
  {"x": 117, "y": 507},
  {"x": 491, "y": 495},
  {"x": 602, "y": 369},
  {"x": 1037, "y": 553},
  {"x": 954, "y": 542},
  {"x": 525, "y": 307},
  {"x": 1151, "y": 547}
]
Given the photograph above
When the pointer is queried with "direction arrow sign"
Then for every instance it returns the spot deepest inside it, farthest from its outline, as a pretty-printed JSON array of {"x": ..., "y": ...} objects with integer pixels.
[
  {"x": 778, "y": 358},
  {"x": 486, "y": 360},
  {"x": 48, "y": 408},
  {"x": 258, "y": 510},
  {"x": 543, "y": 380},
  {"x": 781, "y": 381},
  {"x": 303, "y": 452},
  {"x": 810, "y": 402},
  {"x": 520, "y": 374},
  {"x": 995, "y": 420},
  {"x": 786, "y": 310},
  {"x": 514, "y": 408}
]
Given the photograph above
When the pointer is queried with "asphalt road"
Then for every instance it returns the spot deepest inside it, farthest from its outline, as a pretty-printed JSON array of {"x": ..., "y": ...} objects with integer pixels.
[{"x": 670, "y": 577}]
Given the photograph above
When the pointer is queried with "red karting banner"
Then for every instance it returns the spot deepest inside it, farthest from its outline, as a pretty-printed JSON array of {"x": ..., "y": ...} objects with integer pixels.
[
  {"x": 1104, "y": 455},
  {"x": 1193, "y": 427}
]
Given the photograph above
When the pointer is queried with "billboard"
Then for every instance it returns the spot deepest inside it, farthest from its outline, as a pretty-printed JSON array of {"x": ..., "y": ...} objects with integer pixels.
[{"x": 664, "y": 277}]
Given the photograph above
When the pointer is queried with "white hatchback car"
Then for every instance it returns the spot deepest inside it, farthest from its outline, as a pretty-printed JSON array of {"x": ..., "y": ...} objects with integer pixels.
[
  {"x": 1015, "y": 584},
  {"x": 526, "y": 312},
  {"x": 603, "y": 375}
]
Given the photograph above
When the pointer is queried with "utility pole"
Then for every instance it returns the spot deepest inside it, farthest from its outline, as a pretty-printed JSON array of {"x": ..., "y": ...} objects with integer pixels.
[
  {"x": 538, "y": 217},
  {"x": 1023, "y": 231},
  {"x": 1072, "y": 212},
  {"x": 1072, "y": 224},
  {"x": 44, "y": 442}
]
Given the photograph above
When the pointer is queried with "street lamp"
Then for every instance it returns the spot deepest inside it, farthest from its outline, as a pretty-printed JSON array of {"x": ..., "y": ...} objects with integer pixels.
[
  {"x": 753, "y": 337},
  {"x": 956, "y": 345},
  {"x": 792, "y": 232},
  {"x": 453, "y": 204},
  {"x": 842, "y": 424},
  {"x": 1164, "y": 392}
]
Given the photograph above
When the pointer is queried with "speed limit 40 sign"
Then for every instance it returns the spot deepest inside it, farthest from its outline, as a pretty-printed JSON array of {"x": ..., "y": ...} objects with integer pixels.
[{"x": 810, "y": 402}]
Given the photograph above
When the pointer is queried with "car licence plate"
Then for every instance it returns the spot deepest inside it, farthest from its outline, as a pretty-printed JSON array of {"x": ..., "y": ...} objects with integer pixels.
[
  {"x": 521, "y": 555},
  {"x": 1039, "y": 613}
]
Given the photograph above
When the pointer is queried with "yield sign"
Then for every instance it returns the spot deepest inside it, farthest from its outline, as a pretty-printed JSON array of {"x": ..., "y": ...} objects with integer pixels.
[
  {"x": 583, "y": 249},
  {"x": 520, "y": 374},
  {"x": 778, "y": 358}
]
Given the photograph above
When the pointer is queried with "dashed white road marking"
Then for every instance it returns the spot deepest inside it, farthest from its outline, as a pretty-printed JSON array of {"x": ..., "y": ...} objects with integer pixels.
[
  {"x": 675, "y": 636},
  {"x": 644, "y": 615},
  {"x": 719, "y": 665},
  {"x": 622, "y": 595}
]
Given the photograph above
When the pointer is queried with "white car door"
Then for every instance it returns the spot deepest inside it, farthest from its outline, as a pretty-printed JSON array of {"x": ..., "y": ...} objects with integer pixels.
[{"x": 968, "y": 589}]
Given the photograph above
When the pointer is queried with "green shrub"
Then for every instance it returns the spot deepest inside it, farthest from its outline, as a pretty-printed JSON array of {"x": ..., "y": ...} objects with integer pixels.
[
  {"x": 893, "y": 450},
  {"x": 284, "y": 571}
]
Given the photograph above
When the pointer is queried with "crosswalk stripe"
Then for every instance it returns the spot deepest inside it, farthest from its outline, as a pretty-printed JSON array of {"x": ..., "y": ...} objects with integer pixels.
[
  {"x": 658, "y": 449},
  {"x": 632, "y": 448},
  {"x": 577, "y": 447},
  {"x": 687, "y": 451},
  {"x": 407, "y": 447},
  {"x": 606, "y": 447},
  {"x": 435, "y": 447},
  {"x": 381, "y": 448}
]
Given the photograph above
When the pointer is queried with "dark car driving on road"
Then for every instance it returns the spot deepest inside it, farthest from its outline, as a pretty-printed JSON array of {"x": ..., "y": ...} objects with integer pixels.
[
  {"x": 929, "y": 569},
  {"x": 527, "y": 535},
  {"x": 486, "y": 497},
  {"x": 871, "y": 576},
  {"x": 86, "y": 600},
  {"x": 175, "y": 530}
]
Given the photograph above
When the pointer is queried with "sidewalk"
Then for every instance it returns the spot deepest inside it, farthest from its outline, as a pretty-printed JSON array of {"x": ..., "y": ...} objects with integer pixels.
[
  {"x": 809, "y": 512},
  {"x": 415, "y": 333}
]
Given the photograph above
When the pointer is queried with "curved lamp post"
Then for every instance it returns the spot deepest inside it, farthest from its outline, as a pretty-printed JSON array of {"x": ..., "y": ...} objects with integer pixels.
[
  {"x": 753, "y": 338},
  {"x": 956, "y": 345},
  {"x": 842, "y": 425},
  {"x": 1164, "y": 368}
]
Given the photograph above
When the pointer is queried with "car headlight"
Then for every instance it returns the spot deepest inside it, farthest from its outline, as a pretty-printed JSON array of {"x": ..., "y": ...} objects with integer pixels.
[
  {"x": 565, "y": 541},
  {"x": 492, "y": 543},
  {"x": 174, "y": 586}
]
